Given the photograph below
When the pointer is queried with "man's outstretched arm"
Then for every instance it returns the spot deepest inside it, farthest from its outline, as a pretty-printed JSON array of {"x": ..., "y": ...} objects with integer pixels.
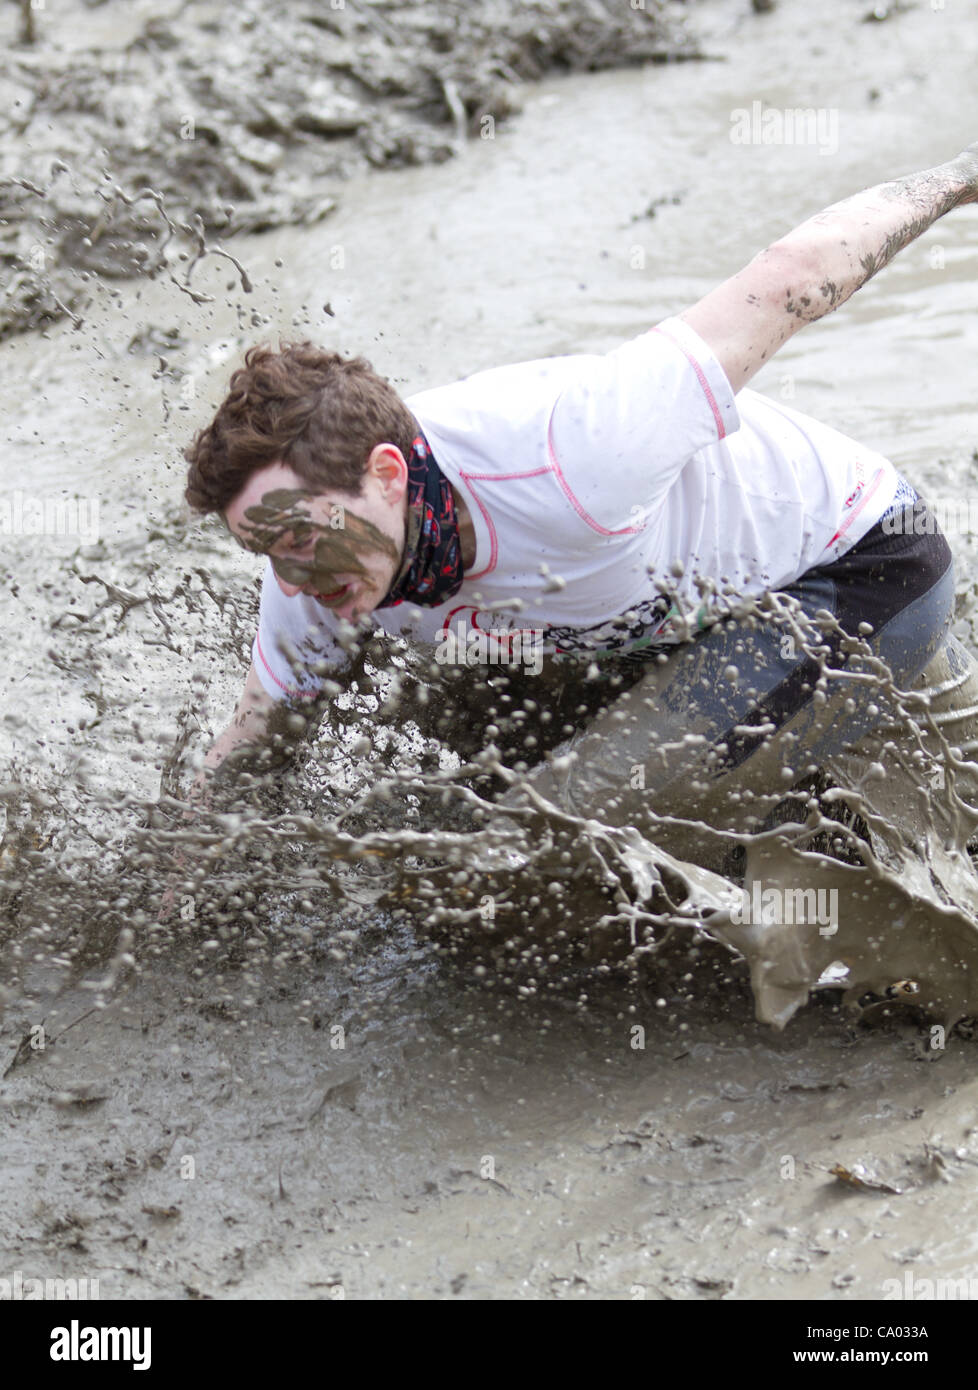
[{"x": 818, "y": 266}]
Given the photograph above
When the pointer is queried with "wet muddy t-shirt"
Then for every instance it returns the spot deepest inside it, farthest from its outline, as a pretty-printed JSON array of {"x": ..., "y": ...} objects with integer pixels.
[{"x": 604, "y": 490}]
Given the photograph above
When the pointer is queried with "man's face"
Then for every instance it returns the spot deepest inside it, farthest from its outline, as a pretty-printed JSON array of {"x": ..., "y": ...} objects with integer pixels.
[{"x": 342, "y": 550}]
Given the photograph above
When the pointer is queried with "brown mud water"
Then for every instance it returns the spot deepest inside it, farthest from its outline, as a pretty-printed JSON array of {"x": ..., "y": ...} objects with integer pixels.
[{"x": 432, "y": 1016}]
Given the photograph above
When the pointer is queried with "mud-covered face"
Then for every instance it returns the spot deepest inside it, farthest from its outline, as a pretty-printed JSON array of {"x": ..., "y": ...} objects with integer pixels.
[
  {"x": 321, "y": 554},
  {"x": 323, "y": 547}
]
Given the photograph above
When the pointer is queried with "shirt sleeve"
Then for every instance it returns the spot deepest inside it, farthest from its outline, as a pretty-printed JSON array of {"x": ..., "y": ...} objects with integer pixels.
[
  {"x": 295, "y": 649},
  {"x": 621, "y": 432}
]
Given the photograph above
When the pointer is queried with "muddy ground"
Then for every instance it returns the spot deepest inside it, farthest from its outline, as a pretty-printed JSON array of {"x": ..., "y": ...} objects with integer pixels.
[
  {"x": 461, "y": 1147},
  {"x": 308, "y": 1099}
]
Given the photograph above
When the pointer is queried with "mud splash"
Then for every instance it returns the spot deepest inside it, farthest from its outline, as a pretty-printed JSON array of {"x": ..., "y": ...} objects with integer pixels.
[
  {"x": 350, "y": 972},
  {"x": 499, "y": 855}
]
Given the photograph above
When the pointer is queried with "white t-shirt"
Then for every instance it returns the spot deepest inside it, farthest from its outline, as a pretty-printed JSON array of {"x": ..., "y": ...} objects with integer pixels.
[{"x": 604, "y": 492}]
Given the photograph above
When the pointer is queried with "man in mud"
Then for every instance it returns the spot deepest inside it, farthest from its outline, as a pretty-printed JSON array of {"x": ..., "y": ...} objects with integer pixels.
[{"x": 607, "y": 511}]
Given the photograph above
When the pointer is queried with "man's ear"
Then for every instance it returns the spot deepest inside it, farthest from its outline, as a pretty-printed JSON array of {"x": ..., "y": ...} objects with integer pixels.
[{"x": 388, "y": 466}]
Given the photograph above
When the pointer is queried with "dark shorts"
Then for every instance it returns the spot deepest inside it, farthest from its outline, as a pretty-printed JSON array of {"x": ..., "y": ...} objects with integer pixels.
[{"x": 897, "y": 582}]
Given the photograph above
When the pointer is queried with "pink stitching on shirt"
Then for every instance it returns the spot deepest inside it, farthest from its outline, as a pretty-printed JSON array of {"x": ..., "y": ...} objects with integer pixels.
[
  {"x": 701, "y": 378},
  {"x": 565, "y": 487},
  {"x": 555, "y": 468},
  {"x": 505, "y": 477},
  {"x": 289, "y": 689},
  {"x": 493, "y": 542},
  {"x": 857, "y": 509},
  {"x": 493, "y": 478}
]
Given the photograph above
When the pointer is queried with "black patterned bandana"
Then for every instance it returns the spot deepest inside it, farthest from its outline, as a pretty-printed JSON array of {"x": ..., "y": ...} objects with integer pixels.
[{"x": 431, "y": 570}]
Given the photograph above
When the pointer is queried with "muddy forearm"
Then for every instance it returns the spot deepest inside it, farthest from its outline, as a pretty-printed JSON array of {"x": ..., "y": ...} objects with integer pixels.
[
  {"x": 815, "y": 268},
  {"x": 847, "y": 243}
]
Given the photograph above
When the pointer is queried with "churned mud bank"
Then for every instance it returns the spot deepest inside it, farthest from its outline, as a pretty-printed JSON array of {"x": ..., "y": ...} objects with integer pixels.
[{"x": 130, "y": 133}]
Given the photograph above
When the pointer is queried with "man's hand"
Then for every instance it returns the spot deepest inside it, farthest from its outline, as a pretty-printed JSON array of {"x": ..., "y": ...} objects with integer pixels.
[
  {"x": 248, "y": 731},
  {"x": 815, "y": 268},
  {"x": 968, "y": 162}
]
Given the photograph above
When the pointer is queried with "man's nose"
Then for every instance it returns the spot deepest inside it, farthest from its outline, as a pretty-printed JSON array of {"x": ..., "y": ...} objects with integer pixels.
[{"x": 289, "y": 589}]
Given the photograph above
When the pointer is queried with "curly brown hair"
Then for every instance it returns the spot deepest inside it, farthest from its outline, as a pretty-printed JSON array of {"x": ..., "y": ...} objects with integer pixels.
[{"x": 318, "y": 412}]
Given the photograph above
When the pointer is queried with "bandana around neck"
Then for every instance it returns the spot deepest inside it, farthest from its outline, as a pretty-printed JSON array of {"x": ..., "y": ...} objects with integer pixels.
[{"x": 431, "y": 570}]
